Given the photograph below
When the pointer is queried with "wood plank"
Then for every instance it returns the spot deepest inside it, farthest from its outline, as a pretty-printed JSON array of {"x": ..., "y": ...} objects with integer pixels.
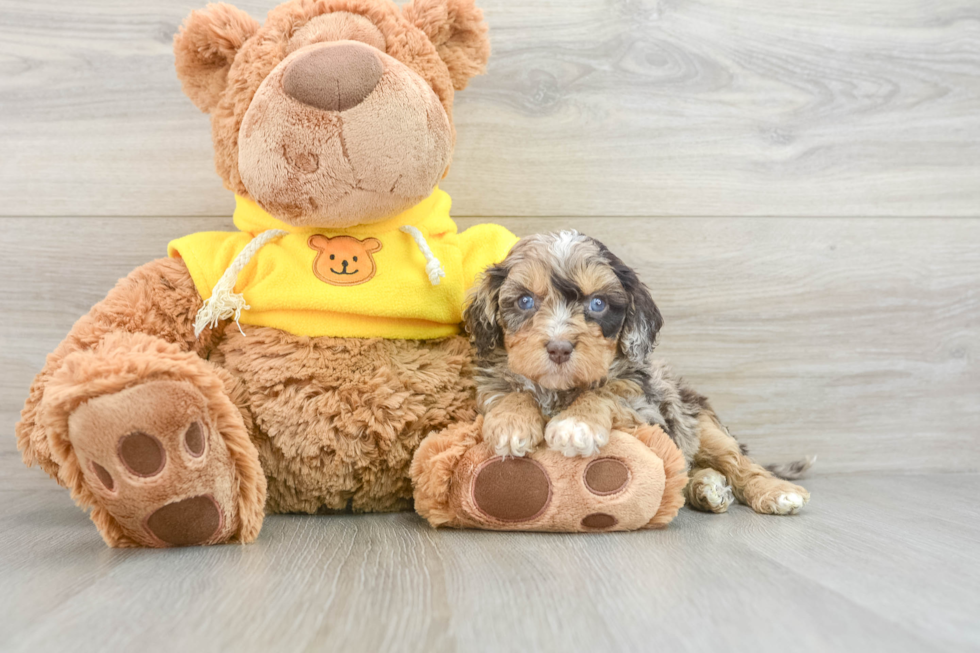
[
  {"x": 853, "y": 572},
  {"x": 691, "y": 107},
  {"x": 855, "y": 340}
]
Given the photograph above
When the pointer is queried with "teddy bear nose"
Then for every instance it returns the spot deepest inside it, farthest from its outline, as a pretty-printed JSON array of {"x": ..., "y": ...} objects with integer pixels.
[{"x": 334, "y": 76}]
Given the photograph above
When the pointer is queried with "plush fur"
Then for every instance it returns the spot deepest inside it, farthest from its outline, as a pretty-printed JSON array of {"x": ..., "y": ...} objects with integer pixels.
[
  {"x": 287, "y": 423},
  {"x": 337, "y": 420},
  {"x": 226, "y": 61},
  {"x": 564, "y": 331},
  {"x": 675, "y": 468}
]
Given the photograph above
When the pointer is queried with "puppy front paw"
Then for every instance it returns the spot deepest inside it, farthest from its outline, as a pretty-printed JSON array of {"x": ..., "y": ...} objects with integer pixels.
[
  {"x": 573, "y": 437},
  {"x": 511, "y": 434}
]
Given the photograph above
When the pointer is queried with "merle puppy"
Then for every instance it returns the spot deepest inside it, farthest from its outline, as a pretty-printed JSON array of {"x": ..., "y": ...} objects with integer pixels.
[{"x": 564, "y": 332}]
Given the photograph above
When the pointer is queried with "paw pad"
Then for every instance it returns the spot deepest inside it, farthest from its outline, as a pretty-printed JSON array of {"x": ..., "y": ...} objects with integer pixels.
[
  {"x": 194, "y": 440},
  {"x": 104, "y": 476},
  {"x": 622, "y": 489},
  {"x": 156, "y": 464},
  {"x": 606, "y": 476},
  {"x": 599, "y": 521},
  {"x": 187, "y": 522},
  {"x": 511, "y": 489},
  {"x": 142, "y": 454}
]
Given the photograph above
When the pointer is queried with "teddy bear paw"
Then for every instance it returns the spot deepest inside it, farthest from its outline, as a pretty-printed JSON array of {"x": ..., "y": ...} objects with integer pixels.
[
  {"x": 155, "y": 462},
  {"x": 547, "y": 491}
]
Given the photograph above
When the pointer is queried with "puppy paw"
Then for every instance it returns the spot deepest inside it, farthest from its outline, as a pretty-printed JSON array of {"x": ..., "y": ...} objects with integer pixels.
[
  {"x": 573, "y": 437},
  {"x": 511, "y": 434},
  {"x": 789, "y": 503},
  {"x": 709, "y": 491},
  {"x": 783, "y": 498}
]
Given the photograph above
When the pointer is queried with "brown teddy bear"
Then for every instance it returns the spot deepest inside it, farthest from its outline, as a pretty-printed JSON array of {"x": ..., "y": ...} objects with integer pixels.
[{"x": 297, "y": 364}]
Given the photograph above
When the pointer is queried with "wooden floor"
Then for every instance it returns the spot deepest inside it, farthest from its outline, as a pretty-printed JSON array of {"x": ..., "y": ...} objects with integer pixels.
[
  {"x": 624, "y": 107},
  {"x": 876, "y": 562}
]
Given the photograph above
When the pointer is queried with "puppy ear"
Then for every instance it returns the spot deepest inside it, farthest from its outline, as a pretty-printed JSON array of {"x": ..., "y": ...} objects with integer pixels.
[
  {"x": 204, "y": 48},
  {"x": 481, "y": 312},
  {"x": 457, "y": 30},
  {"x": 643, "y": 320}
]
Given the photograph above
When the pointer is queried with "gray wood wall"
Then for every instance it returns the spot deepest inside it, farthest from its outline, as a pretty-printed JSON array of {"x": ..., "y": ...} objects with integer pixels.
[{"x": 797, "y": 181}]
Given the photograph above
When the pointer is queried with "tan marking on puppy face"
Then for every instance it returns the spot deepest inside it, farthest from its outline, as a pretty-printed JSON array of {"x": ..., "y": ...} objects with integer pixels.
[
  {"x": 344, "y": 260},
  {"x": 551, "y": 295},
  {"x": 591, "y": 357}
]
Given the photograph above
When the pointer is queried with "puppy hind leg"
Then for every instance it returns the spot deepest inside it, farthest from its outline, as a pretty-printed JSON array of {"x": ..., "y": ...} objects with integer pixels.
[
  {"x": 708, "y": 490},
  {"x": 751, "y": 483}
]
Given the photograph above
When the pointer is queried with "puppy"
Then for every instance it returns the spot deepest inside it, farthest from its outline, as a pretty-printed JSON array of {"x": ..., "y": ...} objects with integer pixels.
[{"x": 564, "y": 331}]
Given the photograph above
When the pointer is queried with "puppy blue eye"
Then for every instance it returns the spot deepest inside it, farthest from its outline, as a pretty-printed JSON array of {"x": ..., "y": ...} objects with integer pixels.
[
  {"x": 525, "y": 303},
  {"x": 597, "y": 305}
]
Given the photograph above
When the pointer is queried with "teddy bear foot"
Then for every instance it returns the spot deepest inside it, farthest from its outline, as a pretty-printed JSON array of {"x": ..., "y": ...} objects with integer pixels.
[
  {"x": 155, "y": 463},
  {"x": 617, "y": 490},
  {"x": 636, "y": 481}
]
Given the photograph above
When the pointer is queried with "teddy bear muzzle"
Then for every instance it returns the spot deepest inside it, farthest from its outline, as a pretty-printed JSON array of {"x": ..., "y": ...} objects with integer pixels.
[
  {"x": 341, "y": 134},
  {"x": 333, "y": 77}
]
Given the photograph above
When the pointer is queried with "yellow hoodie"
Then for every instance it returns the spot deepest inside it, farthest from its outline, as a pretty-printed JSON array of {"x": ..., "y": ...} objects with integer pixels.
[{"x": 371, "y": 281}]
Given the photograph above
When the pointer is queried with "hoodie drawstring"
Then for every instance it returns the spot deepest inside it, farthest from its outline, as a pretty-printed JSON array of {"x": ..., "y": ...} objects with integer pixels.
[
  {"x": 224, "y": 303},
  {"x": 433, "y": 267}
]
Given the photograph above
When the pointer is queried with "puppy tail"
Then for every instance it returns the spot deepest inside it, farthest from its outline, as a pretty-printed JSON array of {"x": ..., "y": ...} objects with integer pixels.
[{"x": 794, "y": 470}]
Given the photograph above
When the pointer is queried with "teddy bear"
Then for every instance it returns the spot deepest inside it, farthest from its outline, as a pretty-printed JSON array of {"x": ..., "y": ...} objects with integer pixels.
[{"x": 312, "y": 361}]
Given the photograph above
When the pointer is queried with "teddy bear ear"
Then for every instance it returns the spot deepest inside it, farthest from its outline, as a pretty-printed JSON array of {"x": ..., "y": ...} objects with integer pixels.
[
  {"x": 457, "y": 29},
  {"x": 204, "y": 48}
]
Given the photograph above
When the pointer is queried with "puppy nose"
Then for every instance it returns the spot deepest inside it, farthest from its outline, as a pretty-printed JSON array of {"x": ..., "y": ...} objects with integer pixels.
[
  {"x": 559, "y": 351},
  {"x": 333, "y": 77}
]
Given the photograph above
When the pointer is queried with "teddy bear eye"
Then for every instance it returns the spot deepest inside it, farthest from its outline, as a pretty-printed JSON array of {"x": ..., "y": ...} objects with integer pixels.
[
  {"x": 355, "y": 259},
  {"x": 332, "y": 257},
  {"x": 525, "y": 303}
]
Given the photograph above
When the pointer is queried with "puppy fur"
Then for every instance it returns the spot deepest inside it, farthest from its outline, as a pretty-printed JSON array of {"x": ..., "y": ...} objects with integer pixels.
[{"x": 564, "y": 332}]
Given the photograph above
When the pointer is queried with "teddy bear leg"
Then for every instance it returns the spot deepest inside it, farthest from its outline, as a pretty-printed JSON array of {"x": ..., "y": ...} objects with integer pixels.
[
  {"x": 147, "y": 436},
  {"x": 141, "y": 430},
  {"x": 635, "y": 482},
  {"x": 434, "y": 467}
]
